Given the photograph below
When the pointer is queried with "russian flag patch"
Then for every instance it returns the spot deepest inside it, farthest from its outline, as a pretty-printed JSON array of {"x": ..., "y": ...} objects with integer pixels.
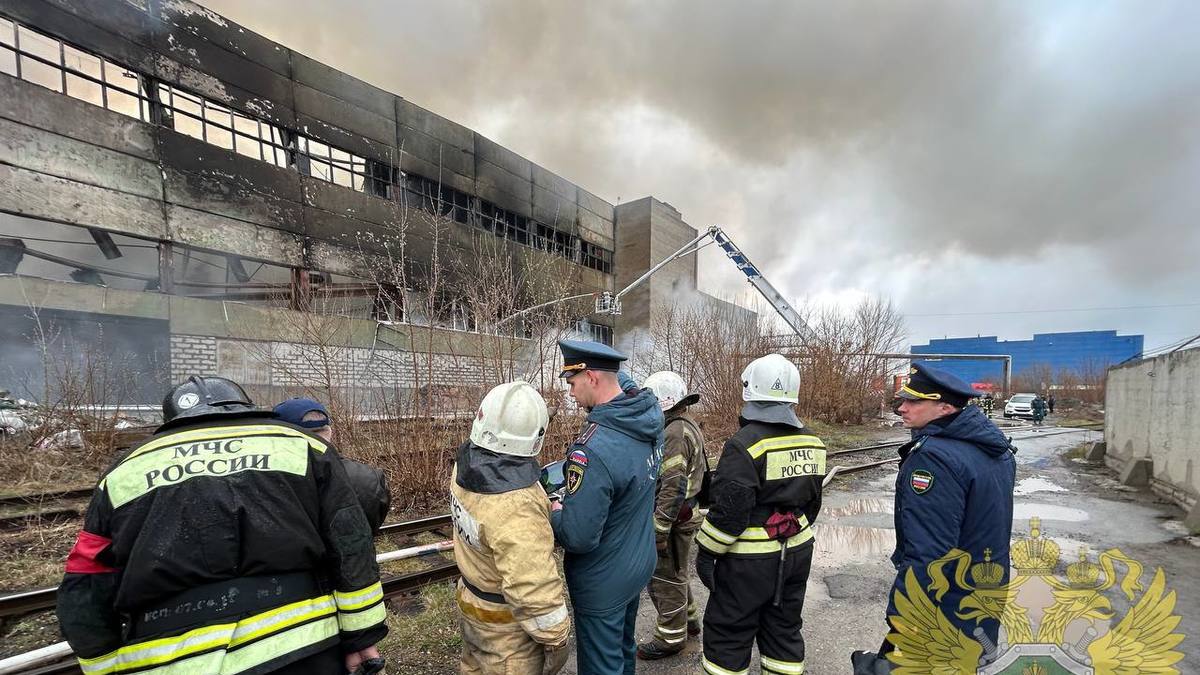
[{"x": 921, "y": 481}]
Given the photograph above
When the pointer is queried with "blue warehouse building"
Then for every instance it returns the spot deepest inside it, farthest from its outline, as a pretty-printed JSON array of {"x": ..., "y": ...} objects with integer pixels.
[{"x": 1075, "y": 352}]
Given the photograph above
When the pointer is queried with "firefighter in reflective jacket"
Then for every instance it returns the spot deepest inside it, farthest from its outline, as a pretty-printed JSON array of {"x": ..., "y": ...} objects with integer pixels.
[
  {"x": 755, "y": 545},
  {"x": 229, "y": 542},
  {"x": 676, "y": 518},
  {"x": 512, "y": 609}
]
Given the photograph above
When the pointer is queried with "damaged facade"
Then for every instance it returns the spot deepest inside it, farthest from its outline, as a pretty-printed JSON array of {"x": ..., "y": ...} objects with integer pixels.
[{"x": 175, "y": 190}]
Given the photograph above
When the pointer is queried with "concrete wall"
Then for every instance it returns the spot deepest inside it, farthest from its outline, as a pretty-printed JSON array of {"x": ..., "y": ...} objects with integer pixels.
[
  {"x": 1151, "y": 413},
  {"x": 648, "y": 231}
]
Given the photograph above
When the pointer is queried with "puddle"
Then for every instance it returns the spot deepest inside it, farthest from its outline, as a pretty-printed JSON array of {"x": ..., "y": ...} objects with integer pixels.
[
  {"x": 839, "y": 544},
  {"x": 857, "y": 507},
  {"x": 1027, "y": 510},
  {"x": 1029, "y": 486}
]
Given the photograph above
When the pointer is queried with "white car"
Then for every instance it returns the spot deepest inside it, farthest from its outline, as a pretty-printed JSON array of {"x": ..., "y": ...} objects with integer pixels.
[{"x": 1019, "y": 405}]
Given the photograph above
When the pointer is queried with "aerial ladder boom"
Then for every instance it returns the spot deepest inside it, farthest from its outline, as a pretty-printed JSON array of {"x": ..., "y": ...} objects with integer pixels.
[{"x": 608, "y": 303}]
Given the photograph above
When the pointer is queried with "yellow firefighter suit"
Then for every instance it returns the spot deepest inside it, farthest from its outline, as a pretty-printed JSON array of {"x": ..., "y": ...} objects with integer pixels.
[{"x": 510, "y": 596}]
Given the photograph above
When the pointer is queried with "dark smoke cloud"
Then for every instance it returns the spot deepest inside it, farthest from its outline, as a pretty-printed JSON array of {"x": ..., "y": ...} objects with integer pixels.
[{"x": 859, "y": 134}]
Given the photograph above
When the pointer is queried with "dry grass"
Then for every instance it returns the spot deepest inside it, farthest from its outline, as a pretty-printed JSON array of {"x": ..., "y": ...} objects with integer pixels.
[{"x": 423, "y": 635}]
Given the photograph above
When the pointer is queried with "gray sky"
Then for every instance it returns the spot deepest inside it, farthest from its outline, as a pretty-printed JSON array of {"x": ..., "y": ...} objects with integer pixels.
[{"x": 960, "y": 158}]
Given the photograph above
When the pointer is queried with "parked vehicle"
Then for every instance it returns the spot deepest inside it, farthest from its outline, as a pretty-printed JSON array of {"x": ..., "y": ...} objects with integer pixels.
[{"x": 1019, "y": 405}]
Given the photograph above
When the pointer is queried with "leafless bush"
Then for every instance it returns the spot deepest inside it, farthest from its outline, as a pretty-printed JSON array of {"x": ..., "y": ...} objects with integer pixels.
[{"x": 843, "y": 378}]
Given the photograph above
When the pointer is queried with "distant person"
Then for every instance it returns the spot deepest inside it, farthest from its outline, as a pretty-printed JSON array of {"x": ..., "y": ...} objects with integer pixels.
[
  {"x": 988, "y": 402},
  {"x": 370, "y": 484},
  {"x": 510, "y": 597},
  {"x": 954, "y": 491},
  {"x": 228, "y": 542},
  {"x": 605, "y": 522},
  {"x": 1039, "y": 410},
  {"x": 1050, "y": 403}
]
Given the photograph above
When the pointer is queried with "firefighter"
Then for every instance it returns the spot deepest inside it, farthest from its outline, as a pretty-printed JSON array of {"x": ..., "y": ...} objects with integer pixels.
[
  {"x": 755, "y": 546},
  {"x": 370, "y": 484},
  {"x": 228, "y": 542},
  {"x": 605, "y": 520},
  {"x": 676, "y": 518},
  {"x": 512, "y": 610}
]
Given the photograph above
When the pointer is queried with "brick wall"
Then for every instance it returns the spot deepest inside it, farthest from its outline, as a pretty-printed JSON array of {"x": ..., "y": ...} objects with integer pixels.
[
  {"x": 290, "y": 364},
  {"x": 192, "y": 355}
]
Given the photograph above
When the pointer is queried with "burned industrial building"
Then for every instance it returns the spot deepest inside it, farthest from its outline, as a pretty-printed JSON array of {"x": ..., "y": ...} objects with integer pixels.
[{"x": 177, "y": 192}]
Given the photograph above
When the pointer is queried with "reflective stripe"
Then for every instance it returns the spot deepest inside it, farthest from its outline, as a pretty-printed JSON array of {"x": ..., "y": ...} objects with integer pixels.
[
  {"x": 222, "y": 640},
  {"x": 785, "y": 667},
  {"x": 783, "y": 442},
  {"x": 546, "y": 621},
  {"x": 660, "y": 526},
  {"x": 348, "y": 602},
  {"x": 672, "y": 461},
  {"x": 200, "y": 435},
  {"x": 258, "y": 653},
  {"x": 145, "y": 473},
  {"x": 362, "y": 619},
  {"x": 769, "y": 546},
  {"x": 670, "y": 631},
  {"x": 671, "y": 641},
  {"x": 709, "y": 544},
  {"x": 714, "y": 669},
  {"x": 716, "y": 533}
]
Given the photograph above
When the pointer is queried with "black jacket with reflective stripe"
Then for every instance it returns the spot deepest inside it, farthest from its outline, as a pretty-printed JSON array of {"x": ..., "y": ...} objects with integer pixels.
[
  {"x": 764, "y": 468},
  {"x": 197, "y": 505}
]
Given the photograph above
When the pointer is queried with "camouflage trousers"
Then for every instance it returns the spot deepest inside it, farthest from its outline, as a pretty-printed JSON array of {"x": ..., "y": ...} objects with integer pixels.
[{"x": 669, "y": 588}]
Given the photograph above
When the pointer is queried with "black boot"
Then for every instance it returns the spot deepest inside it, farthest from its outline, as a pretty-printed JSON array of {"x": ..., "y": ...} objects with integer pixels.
[
  {"x": 870, "y": 663},
  {"x": 657, "y": 649},
  {"x": 693, "y": 627}
]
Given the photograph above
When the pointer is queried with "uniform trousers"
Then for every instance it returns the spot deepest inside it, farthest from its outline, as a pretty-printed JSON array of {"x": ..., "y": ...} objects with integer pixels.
[
  {"x": 740, "y": 611},
  {"x": 605, "y": 644},
  {"x": 669, "y": 588}
]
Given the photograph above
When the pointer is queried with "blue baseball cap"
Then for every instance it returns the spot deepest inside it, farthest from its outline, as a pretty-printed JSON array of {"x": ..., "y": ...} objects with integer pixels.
[{"x": 293, "y": 411}]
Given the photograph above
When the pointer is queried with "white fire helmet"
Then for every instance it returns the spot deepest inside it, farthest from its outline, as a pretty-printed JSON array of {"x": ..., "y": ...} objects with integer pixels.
[
  {"x": 511, "y": 420},
  {"x": 670, "y": 389},
  {"x": 771, "y": 378}
]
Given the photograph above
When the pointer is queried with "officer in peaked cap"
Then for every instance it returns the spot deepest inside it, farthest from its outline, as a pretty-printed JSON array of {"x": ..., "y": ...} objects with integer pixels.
[
  {"x": 954, "y": 491},
  {"x": 605, "y": 522}
]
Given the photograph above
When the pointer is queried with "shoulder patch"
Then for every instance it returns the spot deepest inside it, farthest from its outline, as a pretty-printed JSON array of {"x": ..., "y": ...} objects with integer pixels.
[
  {"x": 578, "y": 456},
  {"x": 587, "y": 433},
  {"x": 920, "y": 481},
  {"x": 574, "y": 478}
]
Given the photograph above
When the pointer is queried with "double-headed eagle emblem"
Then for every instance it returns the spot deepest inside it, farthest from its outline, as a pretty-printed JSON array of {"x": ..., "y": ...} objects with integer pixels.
[{"x": 1075, "y": 631}]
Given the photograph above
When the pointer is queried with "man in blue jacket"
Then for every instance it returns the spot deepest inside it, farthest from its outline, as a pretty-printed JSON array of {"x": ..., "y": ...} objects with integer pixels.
[
  {"x": 954, "y": 490},
  {"x": 605, "y": 520}
]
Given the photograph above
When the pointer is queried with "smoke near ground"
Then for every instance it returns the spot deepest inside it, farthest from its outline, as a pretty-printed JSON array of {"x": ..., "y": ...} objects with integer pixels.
[{"x": 959, "y": 157}]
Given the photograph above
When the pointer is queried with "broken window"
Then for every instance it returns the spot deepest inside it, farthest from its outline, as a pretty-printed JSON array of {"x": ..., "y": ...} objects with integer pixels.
[
  {"x": 46, "y": 250},
  {"x": 211, "y": 275}
]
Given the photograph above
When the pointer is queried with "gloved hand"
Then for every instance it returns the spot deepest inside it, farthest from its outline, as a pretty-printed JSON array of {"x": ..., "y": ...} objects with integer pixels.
[
  {"x": 661, "y": 542},
  {"x": 706, "y": 565},
  {"x": 554, "y": 658}
]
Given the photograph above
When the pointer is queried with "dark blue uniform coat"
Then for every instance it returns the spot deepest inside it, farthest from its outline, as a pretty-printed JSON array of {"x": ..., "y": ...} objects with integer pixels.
[
  {"x": 954, "y": 490},
  {"x": 606, "y": 524}
]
